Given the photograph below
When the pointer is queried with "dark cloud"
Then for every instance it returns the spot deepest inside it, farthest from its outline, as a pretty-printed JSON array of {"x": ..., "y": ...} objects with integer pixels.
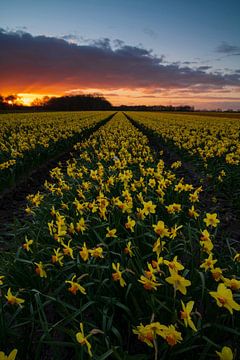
[
  {"x": 31, "y": 63},
  {"x": 226, "y": 48},
  {"x": 104, "y": 43},
  {"x": 189, "y": 62},
  {"x": 204, "y": 68}
]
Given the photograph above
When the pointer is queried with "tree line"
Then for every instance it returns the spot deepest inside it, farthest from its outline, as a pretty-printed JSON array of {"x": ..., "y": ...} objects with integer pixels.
[
  {"x": 78, "y": 103},
  {"x": 62, "y": 103}
]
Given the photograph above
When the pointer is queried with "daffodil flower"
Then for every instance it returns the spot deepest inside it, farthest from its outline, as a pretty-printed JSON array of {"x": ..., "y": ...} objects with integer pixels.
[
  {"x": 1, "y": 279},
  {"x": 225, "y": 354},
  {"x": 160, "y": 229},
  {"x": 186, "y": 314},
  {"x": 40, "y": 270},
  {"x": 75, "y": 286},
  {"x": 27, "y": 244},
  {"x": 12, "y": 299},
  {"x": 224, "y": 298},
  {"x": 211, "y": 220},
  {"x": 178, "y": 281},
  {"x": 84, "y": 253},
  {"x": 117, "y": 275},
  {"x": 67, "y": 250},
  {"x": 130, "y": 224},
  {"x": 11, "y": 356},
  {"x": 128, "y": 249},
  {"x": 148, "y": 284},
  {"x": 111, "y": 233},
  {"x": 83, "y": 340}
]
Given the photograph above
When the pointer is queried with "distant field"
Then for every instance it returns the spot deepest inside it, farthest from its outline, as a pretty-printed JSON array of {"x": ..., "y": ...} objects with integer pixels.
[
  {"x": 233, "y": 115},
  {"x": 130, "y": 246}
]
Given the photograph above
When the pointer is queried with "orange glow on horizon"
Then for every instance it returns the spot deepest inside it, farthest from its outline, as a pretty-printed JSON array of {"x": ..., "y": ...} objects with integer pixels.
[
  {"x": 26, "y": 99},
  {"x": 141, "y": 96}
]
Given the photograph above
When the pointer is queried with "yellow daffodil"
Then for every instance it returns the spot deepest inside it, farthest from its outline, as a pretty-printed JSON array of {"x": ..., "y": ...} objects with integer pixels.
[
  {"x": 174, "y": 264},
  {"x": 217, "y": 273},
  {"x": 224, "y": 298},
  {"x": 225, "y": 354},
  {"x": 193, "y": 213},
  {"x": 158, "y": 246},
  {"x": 156, "y": 264},
  {"x": 208, "y": 263},
  {"x": 211, "y": 220},
  {"x": 75, "y": 286},
  {"x": 148, "y": 208},
  {"x": 83, "y": 340},
  {"x": 71, "y": 228},
  {"x": 130, "y": 224},
  {"x": 173, "y": 208},
  {"x": 205, "y": 236},
  {"x": 207, "y": 246},
  {"x": 194, "y": 197},
  {"x": 117, "y": 275},
  {"x": 128, "y": 249},
  {"x": 173, "y": 231},
  {"x": 237, "y": 257},
  {"x": 67, "y": 250},
  {"x": 148, "y": 284},
  {"x": 170, "y": 334},
  {"x": 145, "y": 334},
  {"x": 11, "y": 356},
  {"x": 186, "y": 314},
  {"x": 27, "y": 244},
  {"x": 97, "y": 252},
  {"x": 160, "y": 229},
  {"x": 40, "y": 270},
  {"x": 13, "y": 300},
  {"x": 84, "y": 253},
  {"x": 57, "y": 257},
  {"x": 111, "y": 233},
  {"x": 233, "y": 284},
  {"x": 178, "y": 281},
  {"x": 81, "y": 225}
]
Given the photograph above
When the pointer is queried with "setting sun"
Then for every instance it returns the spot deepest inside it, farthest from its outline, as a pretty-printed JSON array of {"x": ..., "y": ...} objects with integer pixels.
[{"x": 26, "y": 99}]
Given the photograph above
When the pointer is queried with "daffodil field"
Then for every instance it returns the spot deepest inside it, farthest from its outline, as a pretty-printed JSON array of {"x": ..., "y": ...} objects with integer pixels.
[
  {"x": 28, "y": 140},
  {"x": 211, "y": 144},
  {"x": 120, "y": 256}
]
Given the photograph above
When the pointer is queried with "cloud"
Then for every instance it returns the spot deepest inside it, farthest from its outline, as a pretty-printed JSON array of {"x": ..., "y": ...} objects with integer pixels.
[
  {"x": 189, "y": 62},
  {"x": 226, "y": 48},
  {"x": 29, "y": 63},
  {"x": 70, "y": 37},
  {"x": 204, "y": 68}
]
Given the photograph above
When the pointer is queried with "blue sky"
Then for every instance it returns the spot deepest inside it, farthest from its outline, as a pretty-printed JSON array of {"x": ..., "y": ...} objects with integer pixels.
[{"x": 188, "y": 33}]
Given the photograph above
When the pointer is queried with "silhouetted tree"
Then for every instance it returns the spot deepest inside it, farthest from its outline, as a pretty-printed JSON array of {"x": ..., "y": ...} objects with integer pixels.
[
  {"x": 78, "y": 102},
  {"x": 40, "y": 102},
  {"x": 11, "y": 99},
  {"x": 2, "y": 103}
]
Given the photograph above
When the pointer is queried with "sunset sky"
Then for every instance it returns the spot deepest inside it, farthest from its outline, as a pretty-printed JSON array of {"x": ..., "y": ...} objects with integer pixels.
[{"x": 133, "y": 52}]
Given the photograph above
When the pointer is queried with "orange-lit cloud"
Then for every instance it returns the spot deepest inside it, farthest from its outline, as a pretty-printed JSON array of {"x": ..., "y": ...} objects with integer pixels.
[{"x": 41, "y": 65}]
